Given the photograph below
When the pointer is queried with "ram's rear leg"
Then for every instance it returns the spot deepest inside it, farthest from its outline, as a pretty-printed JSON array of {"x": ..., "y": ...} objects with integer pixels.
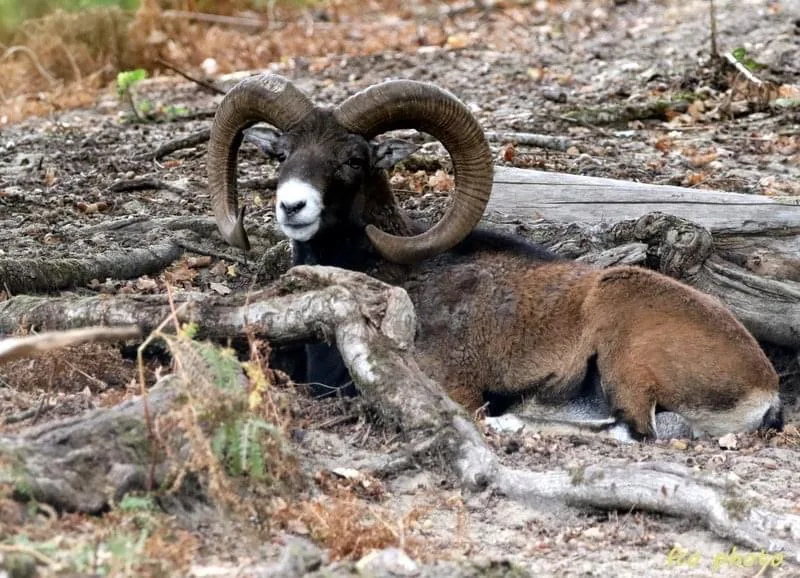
[
  {"x": 464, "y": 393},
  {"x": 629, "y": 388}
]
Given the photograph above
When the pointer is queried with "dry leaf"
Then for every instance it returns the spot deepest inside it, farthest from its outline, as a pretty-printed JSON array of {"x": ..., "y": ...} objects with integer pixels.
[
  {"x": 145, "y": 283},
  {"x": 180, "y": 274},
  {"x": 219, "y": 269},
  {"x": 696, "y": 109},
  {"x": 535, "y": 73},
  {"x": 441, "y": 182},
  {"x": 664, "y": 144},
  {"x": 220, "y": 288},
  {"x": 728, "y": 442},
  {"x": 702, "y": 160},
  {"x": 172, "y": 163},
  {"x": 508, "y": 152},
  {"x": 198, "y": 262},
  {"x": 693, "y": 179},
  {"x": 456, "y": 41}
]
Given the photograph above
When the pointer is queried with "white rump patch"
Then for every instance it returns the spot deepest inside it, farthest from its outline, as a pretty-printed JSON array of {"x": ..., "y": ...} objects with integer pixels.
[
  {"x": 745, "y": 416},
  {"x": 622, "y": 433},
  {"x": 299, "y": 224}
]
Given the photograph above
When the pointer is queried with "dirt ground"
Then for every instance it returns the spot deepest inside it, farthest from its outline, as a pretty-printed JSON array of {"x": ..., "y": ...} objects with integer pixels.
[{"x": 628, "y": 83}]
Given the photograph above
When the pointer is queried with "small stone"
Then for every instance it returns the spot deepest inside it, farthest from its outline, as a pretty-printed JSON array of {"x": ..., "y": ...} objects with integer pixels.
[
  {"x": 347, "y": 473},
  {"x": 573, "y": 151},
  {"x": 210, "y": 67},
  {"x": 392, "y": 561},
  {"x": 506, "y": 423},
  {"x": 593, "y": 533},
  {"x": 728, "y": 442},
  {"x": 554, "y": 95}
]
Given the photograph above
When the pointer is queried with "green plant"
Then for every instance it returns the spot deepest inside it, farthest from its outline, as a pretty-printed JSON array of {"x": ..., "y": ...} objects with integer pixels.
[
  {"x": 242, "y": 444},
  {"x": 132, "y": 503},
  {"x": 740, "y": 54},
  {"x": 144, "y": 110},
  {"x": 126, "y": 81}
]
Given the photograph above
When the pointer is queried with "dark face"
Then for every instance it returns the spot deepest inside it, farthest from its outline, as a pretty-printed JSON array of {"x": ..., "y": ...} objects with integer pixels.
[{"x": 324, "y": 169}]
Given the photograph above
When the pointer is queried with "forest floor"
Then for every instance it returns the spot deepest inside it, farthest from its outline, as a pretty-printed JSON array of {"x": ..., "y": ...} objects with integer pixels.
[{"x": 632, "y": 88}]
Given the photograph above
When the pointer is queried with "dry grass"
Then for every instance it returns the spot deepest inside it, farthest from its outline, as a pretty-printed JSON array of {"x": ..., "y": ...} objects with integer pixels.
[
  {"x": 95, "y": 366},
  {"x": 63, "y": 60},
  {"x": 350, "y": 527}
]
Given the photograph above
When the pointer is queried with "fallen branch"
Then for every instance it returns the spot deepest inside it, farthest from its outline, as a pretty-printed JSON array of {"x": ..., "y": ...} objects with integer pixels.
[
  {"x": 142, "y": 184},
  {"x": 177, "y": 144},
  {"x": 200, "y": 82},
  {"x": 33, "y": 412},
  {"x": 194, "y": 248},
  {"x": 13, "y": 348},
  {"x": 743, "y": 69},
  {"x": 215, "y": 18},
  {"x": 374, "y": 326},
  {"x": 545, "y": 141}
]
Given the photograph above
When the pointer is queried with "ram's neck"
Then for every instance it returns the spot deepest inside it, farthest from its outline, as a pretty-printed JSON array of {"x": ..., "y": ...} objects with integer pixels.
[{"x": 344, "y": 246}]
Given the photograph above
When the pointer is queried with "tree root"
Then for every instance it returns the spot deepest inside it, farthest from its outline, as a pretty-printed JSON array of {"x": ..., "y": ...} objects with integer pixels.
[
  {"x": 373, "y": 325},
  {"x": 32, "y": 275}
]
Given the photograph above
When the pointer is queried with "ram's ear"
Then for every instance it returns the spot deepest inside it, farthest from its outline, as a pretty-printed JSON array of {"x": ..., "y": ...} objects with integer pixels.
[
  {"x": 391, "y": 151},
  {"x": 269, "y": 141}
]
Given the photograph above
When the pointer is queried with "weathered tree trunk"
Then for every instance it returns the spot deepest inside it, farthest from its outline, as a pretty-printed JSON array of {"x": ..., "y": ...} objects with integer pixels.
[{"x": 742, "y": 248}]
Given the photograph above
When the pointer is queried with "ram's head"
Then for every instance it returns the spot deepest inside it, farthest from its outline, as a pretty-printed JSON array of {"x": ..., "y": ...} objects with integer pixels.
[{"x": 329, "y": 158}]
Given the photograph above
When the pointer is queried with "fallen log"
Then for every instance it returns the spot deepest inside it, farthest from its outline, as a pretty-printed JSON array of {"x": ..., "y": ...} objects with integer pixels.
[
  {"x": 84, "y": 463},
  {"x": 741, "y": 248}
]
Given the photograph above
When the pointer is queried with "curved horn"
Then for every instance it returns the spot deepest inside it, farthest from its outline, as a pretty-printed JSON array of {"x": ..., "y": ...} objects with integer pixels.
[
  {"x": 410, "y": 104},
  {"x": 264, "y": 97}
]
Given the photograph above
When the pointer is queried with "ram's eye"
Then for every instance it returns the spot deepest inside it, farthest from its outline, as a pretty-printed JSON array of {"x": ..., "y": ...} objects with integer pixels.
[{"x": 355, "y": 163}]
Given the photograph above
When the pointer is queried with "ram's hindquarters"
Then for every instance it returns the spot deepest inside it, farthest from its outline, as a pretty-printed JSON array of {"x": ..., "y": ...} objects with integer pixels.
[{"x": 662, "y": 344}]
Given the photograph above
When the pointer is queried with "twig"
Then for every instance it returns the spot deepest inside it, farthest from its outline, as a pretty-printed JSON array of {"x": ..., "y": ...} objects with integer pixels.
[
  {"x": 338, "y": 420},
  {"x": 75, "y": 69},
  {"x": 210, "y": 252},
  {"x": 713, "y": 15},
  {"x": 13, "y": 348},
  {"x": 33, "y": 412},
  {"x": 214, "y": 18},
  {"x": 177, "y": 144},
  {"x": 21, "y": 416},
  {"x": 545, "y": 141},
  {"x": 189, "y": 77},
  {"x": 27, "y": 550},
  {"x": 148, "y": 418},
  {"x": 45, "y": 405},
  {"x": 142, "y": 184},
  {"x": 32, "y": 55},
  {"x": 743, "y": 69},
  {"x": 132, "y": 103}
]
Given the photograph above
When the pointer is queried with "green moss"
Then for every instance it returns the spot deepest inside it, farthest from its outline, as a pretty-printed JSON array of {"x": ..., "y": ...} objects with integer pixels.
[
  {"x": 737, "y": 508},
  {"x": 577, "y": 475}
]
